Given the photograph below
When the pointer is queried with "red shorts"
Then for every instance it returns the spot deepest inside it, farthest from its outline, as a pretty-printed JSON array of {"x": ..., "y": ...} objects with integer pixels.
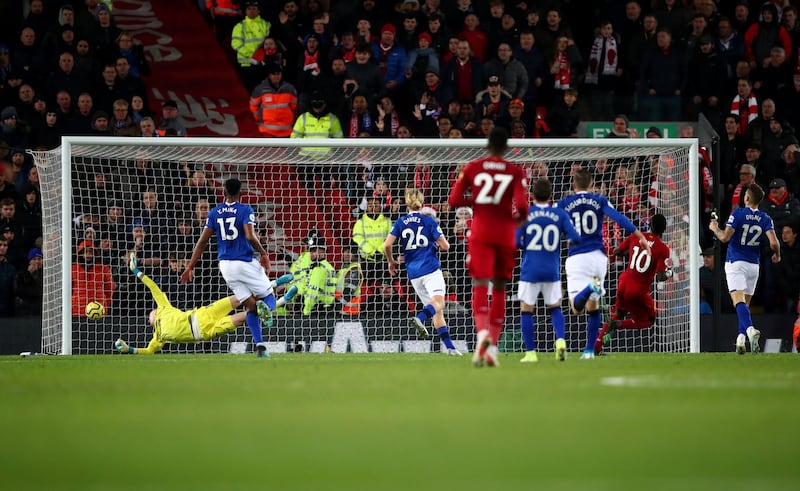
[
  {"x": 488, "y": 261},
  {"x": 635, "y": 299}
]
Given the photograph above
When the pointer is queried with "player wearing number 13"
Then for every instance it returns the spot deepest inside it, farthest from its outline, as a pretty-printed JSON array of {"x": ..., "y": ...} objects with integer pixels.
[
  {"x": 497, "y": 187},
  {"x": 745, "y": 230},
  {"x": 232, "y": 222}
]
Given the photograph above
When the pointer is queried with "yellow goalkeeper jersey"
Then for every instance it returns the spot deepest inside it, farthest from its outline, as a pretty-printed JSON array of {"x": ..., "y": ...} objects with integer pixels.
[{"x": 172, "y": 325}]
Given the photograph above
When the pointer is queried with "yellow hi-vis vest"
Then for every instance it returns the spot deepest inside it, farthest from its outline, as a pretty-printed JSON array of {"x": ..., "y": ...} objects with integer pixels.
[
  {"x": 369, "y": 234},
  {"x": 348, "y": 288},
  {"x": 247, "y": 37},
  {"x": 308, "y": 125},
  {"x": 316, "y": 282}
]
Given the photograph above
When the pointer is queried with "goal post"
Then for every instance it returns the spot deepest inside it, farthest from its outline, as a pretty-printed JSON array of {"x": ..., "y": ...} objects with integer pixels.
[{"x": 150, "y": 195}]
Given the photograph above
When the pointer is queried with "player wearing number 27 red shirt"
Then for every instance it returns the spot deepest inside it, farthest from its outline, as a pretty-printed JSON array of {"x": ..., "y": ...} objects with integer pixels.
[
  {"x": 635, "y": 283},
  {"x": 497, "y": 192}
]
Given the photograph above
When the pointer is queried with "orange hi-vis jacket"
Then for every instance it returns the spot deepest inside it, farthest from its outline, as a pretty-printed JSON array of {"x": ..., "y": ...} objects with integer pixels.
[
  {"x": 223, "y": 7},
  {"x": 274, "y": 110}
]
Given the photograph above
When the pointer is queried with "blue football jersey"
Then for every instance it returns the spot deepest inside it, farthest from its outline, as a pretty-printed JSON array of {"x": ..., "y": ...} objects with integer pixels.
[
  {"x": 227, "y": 221},
  {"x": 540, "y": 240},
  {"x": 750, "y": 230},
  {"x": 587, "y": 212},
  {"x": 417, "y": 234}
]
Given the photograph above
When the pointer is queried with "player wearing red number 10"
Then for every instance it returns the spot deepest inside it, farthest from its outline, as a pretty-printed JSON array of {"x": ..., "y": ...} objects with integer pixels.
[
  {"x": 587, "y": 262},
  {"x": 633, "y": 290},
  {"x": 499, "y": 200}
]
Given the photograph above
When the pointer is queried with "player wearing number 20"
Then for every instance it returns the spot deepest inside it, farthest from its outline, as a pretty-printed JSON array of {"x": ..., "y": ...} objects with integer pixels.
[
  {"x": 540, "y": 241},
  {"x": 587, "y": 262},
  {"x": 745, "y": 230},
  {"x": 633, "y": 290},
  {"x": 496, "y": 186},
  {"x": 419, "y": 236}
]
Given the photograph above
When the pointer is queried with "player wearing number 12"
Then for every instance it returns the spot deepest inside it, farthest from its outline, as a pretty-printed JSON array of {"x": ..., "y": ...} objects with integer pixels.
[
  {"x": 587, "y": 262},
  {"x": 745, "y": 231},
  {"x": 540, "y": 240},
  {"x": 499, "y": 199},
  {"x": 233, "y": 224},
  {"x": 635, "y": 283},
  {"x": 419, "y": 235}
]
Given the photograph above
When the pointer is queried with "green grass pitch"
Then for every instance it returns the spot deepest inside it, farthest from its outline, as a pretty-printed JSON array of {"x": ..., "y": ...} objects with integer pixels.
[{"x": 400, "y": 422}]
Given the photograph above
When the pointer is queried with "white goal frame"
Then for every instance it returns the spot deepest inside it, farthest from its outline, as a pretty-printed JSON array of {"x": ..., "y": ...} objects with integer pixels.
[{"x": 688, "y": 144}]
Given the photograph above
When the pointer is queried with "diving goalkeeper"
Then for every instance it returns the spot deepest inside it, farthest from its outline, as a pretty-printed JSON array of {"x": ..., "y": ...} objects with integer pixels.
[{"x": 173, "y": 325}]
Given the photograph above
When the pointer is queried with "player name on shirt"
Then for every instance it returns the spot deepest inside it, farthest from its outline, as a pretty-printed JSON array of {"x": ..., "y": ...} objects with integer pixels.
[
  {"x": 227, "y": 209},
  {"x": 582, "y": 200},
  {"x": 537, "y": 213},
  {"x": 753, "y": 217},
  {"x": 494, "y": 166},
  {"x": 411, "y": 219}
]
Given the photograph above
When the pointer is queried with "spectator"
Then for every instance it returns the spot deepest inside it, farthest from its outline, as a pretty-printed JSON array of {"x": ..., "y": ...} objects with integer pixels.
[
  {"x": 104, "y": 34},
  {"x": 476, "y": 37},
  {"x": 663, "y": 79},
  {"x": 564, "y": 118},
  {"x": 84, "y": 61},
  {"x": 100, "y": 124},
  {"x": 764, "y": 35},
  {"x": 385, "y": 300},
  {"x": 225, "y": 14},
  {"x": 463, "y": 74},
  {"x": 310, "y": 73},
  {"x": 770, "y": 79},
  {"x": 791, "y": 170},
  {"x": 84, "y": 20},
  {"x": 732, "y": 149},
  {"x": 533, "y": 59},
  {"x": 29, "y": 212},
  {"x": 747, "y": 176},
  {"x": 246, "y": 38},
  {"x": 346, "y": 49},
  {"x": 620, "y": 128},
  {"x": 49, "y": 135},
  {"x": 565, "y": 66},
  {"x": 730, "y": 46},
  {"x": 674, "y": 16},
  {"x": 170, "y": 120},
  {"x": 759, "y": 126},
  {"x": 80, "y": 121},
  {"x": 493, "y": 102},
  {"x": 145, "y": 245},
  {"x": 708, "y": 284},
  {"x": 313, "y": 124},
  {"x": 128, "y": 83},
  {"x": 787, "y": 272},
  {"x": 511, "y": 72},
  {"x": 780, "y": 136},
  {"x": 29, "y": 285},
  {"x": 107, "y": 88},
  {"x": 604, "y": 71},
  {"x": 91, "y": 281},
  {"x": 133, "y": 51},
  {"x": 367, "y": 75},
  {"x": 273, "y": 105},
  {"x": 7, "y": 279},
  {"x": 66, "y": 78},
  {"x": 706, "y": 74},
  {"x": 780, "y": 205},
  {"x": 440, "y": 34},
  {"x": 420, "y": 60},
  {"x": 138, "y": 110},
  {"x": 390, "y": 58},
  {"x": 388, "y": 122},
  {"x": 314, "y": 276},
  {"x": 407, "y": 37},
  {"x": 122, "y": 124},
  {"x": 28, "y": 58},
  {"x": 359, "y": 120},
  {"x": 369, "y": 233},
  {"x": 148, "y": 127},
  {"x": 14, "y": 131}
]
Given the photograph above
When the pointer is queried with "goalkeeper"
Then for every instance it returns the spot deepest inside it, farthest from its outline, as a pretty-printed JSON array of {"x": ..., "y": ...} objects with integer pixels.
[{"x": 173, "y": 325}]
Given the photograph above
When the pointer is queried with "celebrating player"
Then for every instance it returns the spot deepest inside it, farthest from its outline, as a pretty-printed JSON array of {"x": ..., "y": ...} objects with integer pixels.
[
  {"x": 232, "y": 222},
  {"x": 495, "y": 186},
  {"x": 172, "y": 325},
  {"x": 540, "y": 240},
  {"x": 587, "y": 261},
  {"x": 419, "y": 235},
  {"x": 745, "y": 230},
  {"x": 633, "y": 290}
]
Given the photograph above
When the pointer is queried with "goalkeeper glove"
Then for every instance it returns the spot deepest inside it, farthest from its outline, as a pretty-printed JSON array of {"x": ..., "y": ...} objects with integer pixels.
[
  {"x": 134, "y": 266},
  {"x": 123, "y": 347}
]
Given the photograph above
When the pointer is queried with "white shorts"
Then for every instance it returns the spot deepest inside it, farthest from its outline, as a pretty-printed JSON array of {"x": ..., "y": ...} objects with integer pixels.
[
  {"x": 245, "y": 279},
  {"x": 742, "y": 275},
  {"x": 581, "y": 268},
  {"x": 429, "y": 286},
  {"x": 529, "y": 292}
]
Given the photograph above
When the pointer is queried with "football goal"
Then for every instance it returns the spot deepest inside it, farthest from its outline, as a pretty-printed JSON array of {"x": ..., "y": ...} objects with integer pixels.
[{"x": 104, "y": 197}]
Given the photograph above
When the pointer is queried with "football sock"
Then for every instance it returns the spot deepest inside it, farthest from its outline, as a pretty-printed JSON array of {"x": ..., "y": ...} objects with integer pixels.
[
  {"x": 526, "y": 326},
  {"x": 254, "y": 324},
  {"x": 444, "y": 335},
  {"x": 579, "y": 302},
  {"x": 271, "y": 302},
  {"x": 480, "y": 307},
  {"x": 592, "y": 328},
  {"x": 426, "y": 313},
  {"x": 497, "y": 314},
  {"x": 557, "y": 318},
  {"x": 743, "y": 313}
]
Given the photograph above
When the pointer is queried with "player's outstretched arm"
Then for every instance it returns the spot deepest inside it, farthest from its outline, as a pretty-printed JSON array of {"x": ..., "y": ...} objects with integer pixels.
[
  {"x": 202, "y": 242},
  {"x": 774, "y": 245},
  {"x": 723, "y": 236},
  {"x": 153, "y": 347},
  {"x": 628, "y": 225},
  {"x": 159, "y": 296},
  {"x": 387, "y": 251}
]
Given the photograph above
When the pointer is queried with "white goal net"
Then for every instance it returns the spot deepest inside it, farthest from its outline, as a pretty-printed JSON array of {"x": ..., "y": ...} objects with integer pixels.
[{"x": 113, "y": 196}]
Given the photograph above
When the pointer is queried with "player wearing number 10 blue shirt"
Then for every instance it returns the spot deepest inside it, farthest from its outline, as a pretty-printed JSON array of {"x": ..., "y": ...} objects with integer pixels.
[
  {"x": 233, "y": 224},
  {"x": 419, "y": 235},
  {"x": 540, "y": 241},
  {"x": 745, "y": 231},
  {"x": 587, "y": 262}
]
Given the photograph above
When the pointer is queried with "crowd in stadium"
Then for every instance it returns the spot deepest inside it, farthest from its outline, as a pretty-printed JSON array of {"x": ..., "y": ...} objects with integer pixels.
[{"x": 395, "y": 69}]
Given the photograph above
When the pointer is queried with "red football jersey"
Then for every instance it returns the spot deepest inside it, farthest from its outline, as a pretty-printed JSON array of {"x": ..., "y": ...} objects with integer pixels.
[
  {"x": 498, "y": 196},
  {"x": 642, "y": 267}
]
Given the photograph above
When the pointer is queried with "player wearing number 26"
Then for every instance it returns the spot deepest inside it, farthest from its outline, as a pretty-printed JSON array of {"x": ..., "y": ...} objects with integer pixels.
[
  {"x": 499, "y": 200},
  {"x": 587, "y": 262},
  {"x": 745, "y": 231}
]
